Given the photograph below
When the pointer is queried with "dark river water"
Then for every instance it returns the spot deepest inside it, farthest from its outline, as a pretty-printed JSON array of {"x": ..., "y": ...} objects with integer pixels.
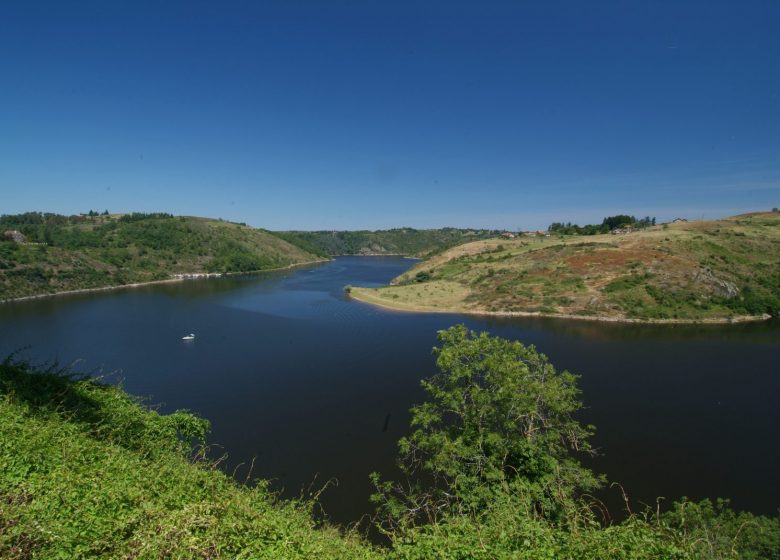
[{"x": 314, "y": 387}]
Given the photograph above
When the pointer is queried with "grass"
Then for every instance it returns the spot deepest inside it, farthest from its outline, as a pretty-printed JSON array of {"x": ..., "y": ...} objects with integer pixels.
[
  {"x": 87, "y": 472},
  {"x": 429, "y": 296},
  {"x": 72, "y": 253},
  {"x": 715, "y": 271}
]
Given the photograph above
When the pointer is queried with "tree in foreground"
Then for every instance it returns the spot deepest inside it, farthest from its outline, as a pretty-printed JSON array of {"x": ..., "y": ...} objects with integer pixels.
[
  {"x": 500, "y": 419},
  {"x": 491, "y": 471}
]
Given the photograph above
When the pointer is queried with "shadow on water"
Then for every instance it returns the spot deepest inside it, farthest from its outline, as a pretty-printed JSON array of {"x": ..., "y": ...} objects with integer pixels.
[{"x": 314, "y": 385}]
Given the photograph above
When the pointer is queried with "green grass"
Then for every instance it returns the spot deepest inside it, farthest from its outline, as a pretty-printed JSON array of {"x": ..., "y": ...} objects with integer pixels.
[
  {"x": 90, "y": 252},
  {"x": 86, "y": 472}
]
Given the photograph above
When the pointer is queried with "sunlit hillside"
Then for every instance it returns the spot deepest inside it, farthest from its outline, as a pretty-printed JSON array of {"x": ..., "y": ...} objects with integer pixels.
[
  {"x": 703, "y": 270},
  {"x": 60, "y": 253}
]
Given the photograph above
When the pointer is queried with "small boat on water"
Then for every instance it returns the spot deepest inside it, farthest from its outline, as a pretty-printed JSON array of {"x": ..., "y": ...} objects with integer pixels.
[{"x": 188, "y": 337}]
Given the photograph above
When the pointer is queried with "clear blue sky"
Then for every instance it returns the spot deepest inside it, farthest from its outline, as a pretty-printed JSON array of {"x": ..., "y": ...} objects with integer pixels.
[{"x": 361, "y": 114}]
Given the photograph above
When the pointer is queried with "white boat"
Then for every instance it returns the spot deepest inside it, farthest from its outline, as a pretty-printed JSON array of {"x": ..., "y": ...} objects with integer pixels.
[{"x": 188, "y": 337}]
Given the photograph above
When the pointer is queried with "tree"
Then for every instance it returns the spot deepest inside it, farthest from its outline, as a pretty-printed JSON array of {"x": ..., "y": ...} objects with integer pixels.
[
  {"x": 620, "y": 220},
  {"x": 499, "y": 417}
]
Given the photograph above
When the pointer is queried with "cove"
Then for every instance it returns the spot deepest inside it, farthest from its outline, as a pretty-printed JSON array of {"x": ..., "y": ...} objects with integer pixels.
[{"x": 307, "y": 385}]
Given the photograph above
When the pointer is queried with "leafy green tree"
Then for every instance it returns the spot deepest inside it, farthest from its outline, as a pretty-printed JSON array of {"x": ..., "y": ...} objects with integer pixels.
[
  {"x": 613, "y": 222},
  {"x": 500, "y": 418}
]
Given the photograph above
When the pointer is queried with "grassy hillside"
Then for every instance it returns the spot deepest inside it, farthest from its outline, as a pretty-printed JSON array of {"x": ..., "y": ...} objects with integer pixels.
[
  {"x": 706, "y": 270},
  {"x": 85, "y": 472},
  {"x": 68, "y": 253},
  {"x": 402, "y": 241}
]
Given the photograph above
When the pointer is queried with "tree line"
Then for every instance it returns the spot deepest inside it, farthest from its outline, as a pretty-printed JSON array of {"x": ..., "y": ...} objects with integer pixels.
[{"x": 608, "y": 224}]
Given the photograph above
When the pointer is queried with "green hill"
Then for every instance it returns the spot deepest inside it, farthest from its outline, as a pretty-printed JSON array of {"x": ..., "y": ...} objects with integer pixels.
[
  {"x": 687, "y": 271},
  {"x": 62, "y": 253},
  {"x": 86, "y": 472},
  {"x": 400, "y": 241}
]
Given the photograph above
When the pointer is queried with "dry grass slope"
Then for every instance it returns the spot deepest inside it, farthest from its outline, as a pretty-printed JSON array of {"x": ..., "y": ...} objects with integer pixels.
[{"x": 724, "y": 270}]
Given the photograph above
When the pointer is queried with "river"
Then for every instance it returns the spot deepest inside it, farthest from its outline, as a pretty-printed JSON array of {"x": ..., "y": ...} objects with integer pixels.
[{"x": 308, "y": 386}]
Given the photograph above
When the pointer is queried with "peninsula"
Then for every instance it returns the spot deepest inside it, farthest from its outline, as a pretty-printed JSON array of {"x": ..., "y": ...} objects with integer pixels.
[{"x": 699, "y": 271}]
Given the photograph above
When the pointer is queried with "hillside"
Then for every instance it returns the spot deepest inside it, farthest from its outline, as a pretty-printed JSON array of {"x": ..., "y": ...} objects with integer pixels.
[
  {"x": 687, "y": 271},
  {"x": 62, "y": 253},
  {"x": 401, "y": 241},
  {"x": 86, "y": 472}
]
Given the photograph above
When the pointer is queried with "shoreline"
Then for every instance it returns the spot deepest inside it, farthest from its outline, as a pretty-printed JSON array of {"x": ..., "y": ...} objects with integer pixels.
[
  {"x": 369, "y": 300},
  {"x": 152, "y": 282}
]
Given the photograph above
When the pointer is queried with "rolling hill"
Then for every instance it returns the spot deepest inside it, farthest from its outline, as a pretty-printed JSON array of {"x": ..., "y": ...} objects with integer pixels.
[
  {"x": 722, "y": 270},
  {"x": 399, "y": 241},
  {"x": 64, "y": 253}
]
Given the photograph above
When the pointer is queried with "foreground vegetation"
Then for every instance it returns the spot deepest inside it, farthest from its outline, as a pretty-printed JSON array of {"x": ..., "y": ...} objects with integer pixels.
[
  {"x": 400, "y": 241},
  {"x": 87, "y": 472},
  {"x": 690, "y": 271},
  {"x": 62, "y": 253},
  {"x": 491, "y": 471}
]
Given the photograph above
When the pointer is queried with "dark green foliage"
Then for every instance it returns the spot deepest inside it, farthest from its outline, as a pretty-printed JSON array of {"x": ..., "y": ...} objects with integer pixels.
[
  {"x": 500, "y": 418},
  {"x": 400, "y": 241},
  {"x": 139, "y": 216},
  {"x": 573, "y": 229},
  {"x": 98, "y": 250},
  {"x": 713, "y": 530},
  {"x": 608, "y": 224},
  {"x": 237, "y": 261},
  {"x": 764, "y": 298},
  {"x": 612, "y": 222},
  {"x": 306, "y": 241}
]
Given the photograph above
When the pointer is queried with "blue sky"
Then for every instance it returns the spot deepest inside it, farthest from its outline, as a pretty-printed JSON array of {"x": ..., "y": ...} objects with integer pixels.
[{"x": 347, "y": 115}]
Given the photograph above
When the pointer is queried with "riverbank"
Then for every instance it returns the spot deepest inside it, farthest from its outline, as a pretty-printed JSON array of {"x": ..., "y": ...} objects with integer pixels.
[
  {"x": 175, "y": 279},
  {"x": 367, "y": 295}
]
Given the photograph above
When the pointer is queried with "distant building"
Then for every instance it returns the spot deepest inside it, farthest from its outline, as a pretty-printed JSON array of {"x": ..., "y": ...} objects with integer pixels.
[
  {"x": 508, "y": 235},
  {"x": 14, "y": 235},
  {"x": 622, "y": 230},
  {"x": 679, "y": 220}
]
